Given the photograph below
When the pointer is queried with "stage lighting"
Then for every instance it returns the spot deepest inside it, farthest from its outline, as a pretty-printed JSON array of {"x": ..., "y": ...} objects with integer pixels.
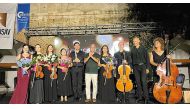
[
  {"x": 104, "y": 39},
  {"x": 57, "y": 42},
  {"x": 114, "y": 47},
  {"x": 120, "y": 38}
]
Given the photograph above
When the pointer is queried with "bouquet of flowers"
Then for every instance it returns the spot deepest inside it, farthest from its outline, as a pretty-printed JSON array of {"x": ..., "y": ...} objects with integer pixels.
[
  {"x": 37, "y": 59},
  {"x": 65, "y": 63},
  {"x": 52, "y": 60},
  {"x": 23, "y": 63},
  {"x": 109, "y": 60}
]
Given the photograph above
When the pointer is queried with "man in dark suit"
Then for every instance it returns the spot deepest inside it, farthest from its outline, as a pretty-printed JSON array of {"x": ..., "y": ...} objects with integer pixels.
[{"x": 77, "y": 70}]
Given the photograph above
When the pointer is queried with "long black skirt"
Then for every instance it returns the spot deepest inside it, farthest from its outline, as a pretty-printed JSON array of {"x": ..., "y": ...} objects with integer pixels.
[
  {"x": 36, "y": 90},
  {"x": 106, "y": 88},
  {"x": 64, "y": 85},
  {"x": 50, "y": 86}
]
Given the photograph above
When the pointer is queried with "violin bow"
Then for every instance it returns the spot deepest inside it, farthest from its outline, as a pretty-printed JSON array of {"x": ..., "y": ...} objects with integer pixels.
[{"x": 172, "y": 50}]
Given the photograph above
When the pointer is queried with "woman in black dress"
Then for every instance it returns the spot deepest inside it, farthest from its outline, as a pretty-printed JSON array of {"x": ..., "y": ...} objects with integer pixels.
[
  {"x": 106, "y": 86},
  {"x": 50, "y": 80},
  {"x": 156, "y": 56},
  {"x": 36, "y": 84},
  {"x": 64, "y": 85}
]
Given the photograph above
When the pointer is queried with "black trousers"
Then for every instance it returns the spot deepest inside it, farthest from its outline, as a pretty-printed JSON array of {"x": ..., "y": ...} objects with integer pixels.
[
  {"x": 77, "y": 78},
  {"x": 141, "y": 80},
  {"x": 2, "y": 77}
]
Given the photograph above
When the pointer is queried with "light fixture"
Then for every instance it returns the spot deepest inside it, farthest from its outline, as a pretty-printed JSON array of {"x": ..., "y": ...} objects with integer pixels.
[{"x": 57, "y": 42}]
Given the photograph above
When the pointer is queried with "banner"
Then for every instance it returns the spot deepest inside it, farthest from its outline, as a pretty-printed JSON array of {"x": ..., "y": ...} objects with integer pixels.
[
  {"x": 23, "y": 16},
  {"x": 7, "y": 21}
]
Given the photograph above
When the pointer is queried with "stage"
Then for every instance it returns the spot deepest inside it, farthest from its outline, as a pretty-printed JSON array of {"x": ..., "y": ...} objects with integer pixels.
[{"x": 4, "y": 99}]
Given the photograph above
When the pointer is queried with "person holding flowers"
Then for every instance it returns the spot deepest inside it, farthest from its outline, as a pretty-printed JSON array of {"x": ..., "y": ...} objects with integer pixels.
[
  {"x": 50, "y": 75},
  {"x": 64, "y": 85},
  {"x": 20, "y": 94},
  {"x": 36, "y": 84},
  {"x": 106, "y": 85}
]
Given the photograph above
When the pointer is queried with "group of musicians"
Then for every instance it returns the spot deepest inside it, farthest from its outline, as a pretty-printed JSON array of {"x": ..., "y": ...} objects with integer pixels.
[{"x": 64, "y": 78}]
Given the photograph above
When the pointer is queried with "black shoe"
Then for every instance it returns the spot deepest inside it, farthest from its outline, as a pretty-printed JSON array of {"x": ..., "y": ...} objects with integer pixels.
[
  {"x": 146, "y": 101},
  {"x": 87, "y": 101},
  {"x": 80, "y": 99},
  {"x": 118, "y": 100},
  {"x": 53, "y": 101},
  {"x": 75, "y": 100},
  {"x": 126, "y": 101},
  {"x": 139, "y": 100}
]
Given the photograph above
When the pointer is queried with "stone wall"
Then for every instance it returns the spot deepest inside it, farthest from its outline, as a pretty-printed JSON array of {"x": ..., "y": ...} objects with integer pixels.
[
  {"x": 66, "y": 14},
  {"x": 76, "y": 14}
]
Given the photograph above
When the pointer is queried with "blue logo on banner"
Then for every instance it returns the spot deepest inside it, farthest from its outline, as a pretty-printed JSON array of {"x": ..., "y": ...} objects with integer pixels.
[{"x": 23, "y": 16}]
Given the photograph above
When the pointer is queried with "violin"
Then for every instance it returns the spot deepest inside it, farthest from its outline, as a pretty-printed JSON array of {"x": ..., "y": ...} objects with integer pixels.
[
  {"x": 108, "y": 71},
  {"x": 53, "y": 70},
  {"x": 39, "y": 73},
  {"x": 167, "y": 90},
  {"x": 53, "y": 74}
]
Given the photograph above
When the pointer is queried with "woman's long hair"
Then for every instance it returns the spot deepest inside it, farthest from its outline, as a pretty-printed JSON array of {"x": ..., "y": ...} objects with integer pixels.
[
  {"x": 35, "y": 53},
  {"x": 48, "y": 47},
  {"x": 65, "y": 51},
  {"x": 23, "y": 48},
  {"x": 161, "y": 41},
  {"x": 107, "y": 50}
]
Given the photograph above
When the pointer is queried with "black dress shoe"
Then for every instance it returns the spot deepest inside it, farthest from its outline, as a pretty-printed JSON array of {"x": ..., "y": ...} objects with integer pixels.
[
  {"x": 146, "y": 101},
  {"x": 139, "y": 100},
  {"x": 75, "y": 100},
  {"x": 80, "y": 99},
  {"x": 53, "y": 101}
]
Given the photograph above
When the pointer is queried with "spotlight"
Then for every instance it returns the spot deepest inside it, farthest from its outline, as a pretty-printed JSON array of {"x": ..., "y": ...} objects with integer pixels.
[
  {"x": 120, "y": 38},
  {"x": 114, "y": 47},
  {"x": 104, "y": 39},
  {"x": 57, "y": 41}
]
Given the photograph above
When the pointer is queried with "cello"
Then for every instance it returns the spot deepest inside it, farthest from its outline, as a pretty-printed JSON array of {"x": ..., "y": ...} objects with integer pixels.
[
  {"x": 124, "y": 83},
  {"x": 167, "y": 90}
]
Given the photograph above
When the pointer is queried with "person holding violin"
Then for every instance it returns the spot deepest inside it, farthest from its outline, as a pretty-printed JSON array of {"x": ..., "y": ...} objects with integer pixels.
[
  {"x": 106, "y": 84},
  {"x": 156, "y": 56},
  {"x": 50, "y": 75},
  {"x": 91, "y": 73},
  {"x": 36, "y": 84},
  {"x": 64, "y": 85},
  {"x": 121, "y": 56},
  {"x": 140, "y": 61},
  {"x": 77, "y": 70}
]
